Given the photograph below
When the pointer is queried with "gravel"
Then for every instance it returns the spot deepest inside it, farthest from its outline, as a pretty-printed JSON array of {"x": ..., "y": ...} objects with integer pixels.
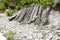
[{"x": 31, "y": 31}]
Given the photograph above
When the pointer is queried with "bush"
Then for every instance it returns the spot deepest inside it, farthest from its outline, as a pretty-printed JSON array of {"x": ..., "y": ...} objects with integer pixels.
[
  {"x": 9, "y": 34},
  {"x": 9, "y": 12},
  {"x": 46, "y": 2},
  {"x": 18, "y": 4},
  {"x": 24, "y": 3}
]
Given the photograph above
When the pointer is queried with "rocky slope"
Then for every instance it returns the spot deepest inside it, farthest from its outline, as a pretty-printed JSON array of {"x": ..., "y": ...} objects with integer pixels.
[{"x": 31, "y": 31}]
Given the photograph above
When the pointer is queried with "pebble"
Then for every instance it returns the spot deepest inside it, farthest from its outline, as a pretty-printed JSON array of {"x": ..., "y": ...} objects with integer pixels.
[{"x": 30, "y": 31}]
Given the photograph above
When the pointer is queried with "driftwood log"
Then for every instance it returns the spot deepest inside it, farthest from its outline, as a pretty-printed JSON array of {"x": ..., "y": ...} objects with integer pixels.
[{"x": 34, "y": 14}]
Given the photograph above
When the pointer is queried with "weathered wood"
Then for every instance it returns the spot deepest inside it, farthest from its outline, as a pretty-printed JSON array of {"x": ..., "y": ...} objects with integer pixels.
[
  {"x": 39, "y": 15},
  {"x": 28, "y": 13},
  {"x": 45, "y": 15},
  {"x": 33, "y": 14},
  {"x": 22, "y": 15},
  {"x": 18, "y": 14},
  {"x": 12, "y": 17}
]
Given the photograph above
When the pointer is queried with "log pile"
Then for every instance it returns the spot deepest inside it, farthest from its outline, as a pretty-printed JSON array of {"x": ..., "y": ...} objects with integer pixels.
[{"x": 33, "y": 14}]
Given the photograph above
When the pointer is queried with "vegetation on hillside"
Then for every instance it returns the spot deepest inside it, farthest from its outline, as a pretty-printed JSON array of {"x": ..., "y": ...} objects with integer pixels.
[{"x": 18, "y": 4}]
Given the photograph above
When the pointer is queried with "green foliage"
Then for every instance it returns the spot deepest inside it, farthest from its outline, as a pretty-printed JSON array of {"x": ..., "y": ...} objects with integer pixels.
[
  {"x": 22, "y": 3},
  {"x": 7, "y": 0},
  {"x": 44, "y": 2},
  {"x": 8, "y": 34},
  {"x": 8, "y": 38},
  {"x": 58, "y": 34},
  {"x": 9, "y": 31},
  {"x": 19, "y": 6},
  {"x": 28, "y": 1},
  {"x": 9, "y": 12},
  {"x": 2, "y": 8}
]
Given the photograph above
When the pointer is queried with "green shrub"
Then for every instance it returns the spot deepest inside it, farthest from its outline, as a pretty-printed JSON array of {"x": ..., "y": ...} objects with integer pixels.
[
  {"x": 9, "y": 33},
  {"x": 18, "y": 4},
  {"x": 28, "y": 2},
  {"x": 9, "y": 12},
  {"x": 46, "y": 2}
]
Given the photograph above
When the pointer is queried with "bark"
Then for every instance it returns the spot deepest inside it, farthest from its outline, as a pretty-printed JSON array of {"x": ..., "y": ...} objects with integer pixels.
[
  {"x": 28, "y": 14},
  {"x": 34, "y": 14},
  {"x": 22, "y": 15},
  {"x": 38, "y": 21},
  {"x": 45, "y": 16}
]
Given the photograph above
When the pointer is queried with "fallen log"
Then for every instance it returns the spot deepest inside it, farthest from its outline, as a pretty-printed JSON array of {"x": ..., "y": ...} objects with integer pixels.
[{"x": 34, "y": 14}]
